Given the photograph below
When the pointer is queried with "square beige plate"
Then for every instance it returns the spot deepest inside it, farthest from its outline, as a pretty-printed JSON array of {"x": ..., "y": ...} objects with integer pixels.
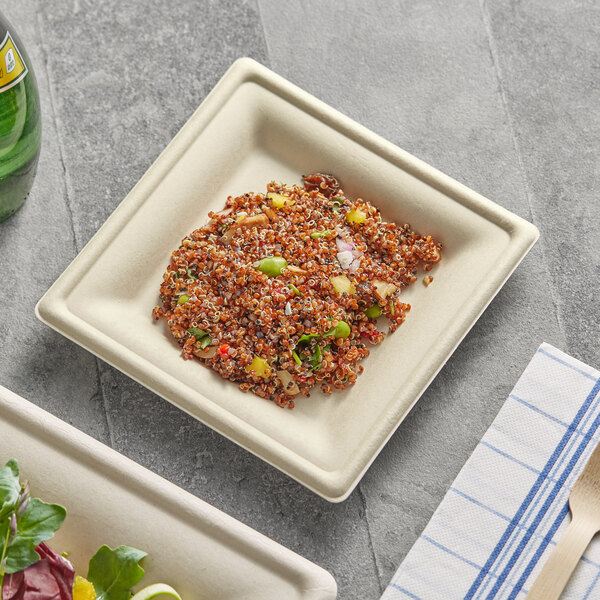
[
  {"x": 255, "y": 127},
  {"x": 200, "y": 551}
]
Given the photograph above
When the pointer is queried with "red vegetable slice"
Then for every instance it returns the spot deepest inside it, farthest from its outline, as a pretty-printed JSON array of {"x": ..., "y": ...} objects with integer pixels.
[{"x": 50, "y": 578}]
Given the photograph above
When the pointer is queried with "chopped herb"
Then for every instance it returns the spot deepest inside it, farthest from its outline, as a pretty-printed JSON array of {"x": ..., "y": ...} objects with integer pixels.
[
  {"x": 197, "y": 332},
  {"x": 201, "y": 336},
  {"x": 315, "y": 358},
  {"x": 294, "y": 289},
  {"x": 191, "y": 275},
  {"x": 296, "y": 358},
  {"x": 307, "y": 337}
]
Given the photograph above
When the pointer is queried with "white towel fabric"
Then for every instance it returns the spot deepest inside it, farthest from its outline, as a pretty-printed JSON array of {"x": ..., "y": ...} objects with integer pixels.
[{"x": 508, "y": 506}]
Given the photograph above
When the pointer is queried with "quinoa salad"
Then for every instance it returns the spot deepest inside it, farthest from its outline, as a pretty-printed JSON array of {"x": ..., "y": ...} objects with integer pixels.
[{"x": 281, "y": 291}]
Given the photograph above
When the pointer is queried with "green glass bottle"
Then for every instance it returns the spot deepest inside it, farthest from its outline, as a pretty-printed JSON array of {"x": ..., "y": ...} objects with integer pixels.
[{"x": 20, "y": 122}]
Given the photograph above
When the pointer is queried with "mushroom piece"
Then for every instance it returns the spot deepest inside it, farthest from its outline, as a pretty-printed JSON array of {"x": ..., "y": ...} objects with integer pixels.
[
  {"x": 297, "y": 270},
  {"x": 271, "y": 214},
  {"x": 289, "y": 385},
  {"x": 207, "y": 352},
  {"x": 253, "y": 221}
]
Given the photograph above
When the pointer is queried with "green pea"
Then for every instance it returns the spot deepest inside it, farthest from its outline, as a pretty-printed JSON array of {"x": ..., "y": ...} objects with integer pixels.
[
  {"x": 182, "y": 299},
  {"x": 373, "y": 312},
  {"x": 341, "y": 330},
  {"x": 271, "y": 265}
]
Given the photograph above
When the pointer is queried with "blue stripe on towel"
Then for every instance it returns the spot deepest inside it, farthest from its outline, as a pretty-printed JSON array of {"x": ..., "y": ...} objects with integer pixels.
[
  {"x": 406, "y": 592},
  {"x": 566, "y": 364},
  {"x": 531, "y": 495}
]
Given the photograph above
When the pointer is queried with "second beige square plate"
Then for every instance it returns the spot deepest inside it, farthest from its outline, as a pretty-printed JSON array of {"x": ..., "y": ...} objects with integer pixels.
[
  {"x": 202, "y": 552},
  {"x": 255, "y": 127}
]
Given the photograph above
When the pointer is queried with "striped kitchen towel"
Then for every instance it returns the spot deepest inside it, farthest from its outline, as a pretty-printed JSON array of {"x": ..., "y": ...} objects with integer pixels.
[{"x": 508, "y": 506}]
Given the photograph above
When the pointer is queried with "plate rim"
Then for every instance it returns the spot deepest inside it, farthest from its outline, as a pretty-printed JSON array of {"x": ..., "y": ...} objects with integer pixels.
[{"x": 116, "y": 466}]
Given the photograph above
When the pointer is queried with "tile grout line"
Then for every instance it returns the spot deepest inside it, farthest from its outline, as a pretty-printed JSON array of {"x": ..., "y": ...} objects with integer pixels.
[
  {"x": 264, "y": 32},
  {"x": 58, "y": 137},
  {"x": 68, "y": 204},
  {"x": 108, "y": 420},
  {"x": 525, "y": 181},
  {"x": 363, "y": 501}
]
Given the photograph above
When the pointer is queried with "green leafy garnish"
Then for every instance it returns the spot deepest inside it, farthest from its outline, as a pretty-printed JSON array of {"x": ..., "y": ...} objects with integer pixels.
[
  {"x": 296, "y": 358},
  {"x": 25, "y": 522},
  {"x": 307, "y": 337},
  {"x": 10, "y": 488},
  {"x": 197, "y": 332},
  {"x": 191, "y": 275},
  {"x": 201, "y": 336},
  {"x": 294, "y": 289},
  {"x": 115, "y": 572},
  {"x": 37, "y": 524},
  {"x": 315, "y": 358}
]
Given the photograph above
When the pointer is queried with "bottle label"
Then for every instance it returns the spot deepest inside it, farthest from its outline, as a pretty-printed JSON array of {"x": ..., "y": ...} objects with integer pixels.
[{"x": 12, "y": 66}]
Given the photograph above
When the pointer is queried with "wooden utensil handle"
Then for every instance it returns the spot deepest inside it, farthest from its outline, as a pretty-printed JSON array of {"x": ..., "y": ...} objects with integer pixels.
[{"x": 560, "y": 565}]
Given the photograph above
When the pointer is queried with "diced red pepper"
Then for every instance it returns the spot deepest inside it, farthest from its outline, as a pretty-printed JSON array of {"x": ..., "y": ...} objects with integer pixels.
[
  {"x": 370, "y": 335},
  {"x": 224, "y": 350}
]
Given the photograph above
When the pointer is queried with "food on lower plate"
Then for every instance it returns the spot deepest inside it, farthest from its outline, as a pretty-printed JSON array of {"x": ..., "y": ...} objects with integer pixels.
[
  {"x": 31, "y": 570},
  {"x": 281, "y": 291}
]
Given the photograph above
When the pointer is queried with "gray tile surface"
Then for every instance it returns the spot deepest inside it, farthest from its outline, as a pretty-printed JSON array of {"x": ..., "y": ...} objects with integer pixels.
[{"x": 501, "y": 95}]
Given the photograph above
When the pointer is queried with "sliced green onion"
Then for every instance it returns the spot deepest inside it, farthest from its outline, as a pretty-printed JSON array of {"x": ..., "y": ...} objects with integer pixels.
[
  {"x": 315, "y": 358},
  {"x": 338, "y": 201},
  {"x": 296, "y": 358},
  {"x": 294, "y": 289}
]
